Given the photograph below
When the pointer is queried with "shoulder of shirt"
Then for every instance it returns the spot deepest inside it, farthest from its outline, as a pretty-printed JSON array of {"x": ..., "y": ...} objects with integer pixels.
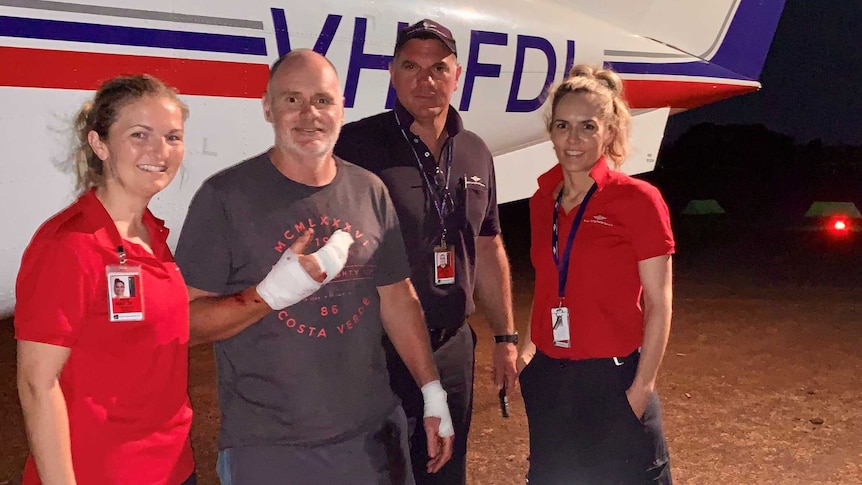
[
  {"x": 355, "y": 172},
  {"x": 70, "y": 227},
  {"x": 370, "y": 125},
  {"x": 631, "y": 186},
  {"x": 366, "y": 137},
  {"x": 230, "y": 176},
  {"x": 473, "y": 138},
  {"x": 537, "y": 200}
]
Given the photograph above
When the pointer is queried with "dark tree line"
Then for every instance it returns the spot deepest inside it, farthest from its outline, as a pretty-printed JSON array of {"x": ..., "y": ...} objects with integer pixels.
[{"x": 757, "y": 175}]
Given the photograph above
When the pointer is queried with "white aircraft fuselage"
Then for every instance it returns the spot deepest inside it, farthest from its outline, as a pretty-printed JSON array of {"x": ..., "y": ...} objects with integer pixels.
[{"x": 672, "y": 54}]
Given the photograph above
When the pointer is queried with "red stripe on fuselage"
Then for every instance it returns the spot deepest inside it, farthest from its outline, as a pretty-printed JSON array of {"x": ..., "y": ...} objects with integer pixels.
[{"x": 43, "y": 68}]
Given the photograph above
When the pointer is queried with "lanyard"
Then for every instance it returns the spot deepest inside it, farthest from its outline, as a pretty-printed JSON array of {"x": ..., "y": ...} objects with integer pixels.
[
  {"x": 563, "y": 269},
  {"x": 438, "y": 194}
]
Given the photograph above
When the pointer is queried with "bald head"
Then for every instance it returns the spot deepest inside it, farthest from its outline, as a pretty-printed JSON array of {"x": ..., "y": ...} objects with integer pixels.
[
  {"x": 306, "y": 62},
  {"x": 303, "y": 101},
  {"x": 296, "y": 56}
]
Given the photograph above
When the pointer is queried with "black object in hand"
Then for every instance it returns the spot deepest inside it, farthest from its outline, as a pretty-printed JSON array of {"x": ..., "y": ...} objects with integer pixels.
[{"x": 504, "y": 402}]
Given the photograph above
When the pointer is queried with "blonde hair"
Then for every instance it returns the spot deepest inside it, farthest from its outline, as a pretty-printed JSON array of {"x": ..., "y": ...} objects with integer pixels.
[
  {"x": 607, "y": 87},
  {"x": 100, "y": 113}
]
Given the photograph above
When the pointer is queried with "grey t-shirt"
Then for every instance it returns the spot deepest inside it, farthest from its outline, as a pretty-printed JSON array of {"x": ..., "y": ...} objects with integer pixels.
[{"x": 314, "y": 372}]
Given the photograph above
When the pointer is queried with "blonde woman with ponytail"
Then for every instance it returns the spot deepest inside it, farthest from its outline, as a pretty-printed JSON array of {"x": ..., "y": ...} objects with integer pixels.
[
  {"x": 601, "y": 245},
  {"x": 102, "y": 311}
]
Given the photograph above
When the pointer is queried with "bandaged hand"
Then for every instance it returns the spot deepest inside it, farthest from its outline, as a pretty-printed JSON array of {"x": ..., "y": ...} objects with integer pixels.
[
  {"x": 288, "y": 283},
  {"x": 435, "y": 405},
  {"x": 333, "y": 255}
]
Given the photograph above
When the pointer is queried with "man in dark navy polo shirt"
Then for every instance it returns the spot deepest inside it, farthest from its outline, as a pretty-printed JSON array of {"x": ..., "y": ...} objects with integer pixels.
[{"x": 441, "y": 179}]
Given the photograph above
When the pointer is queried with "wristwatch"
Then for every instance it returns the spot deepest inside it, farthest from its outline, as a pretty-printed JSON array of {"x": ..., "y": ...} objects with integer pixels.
[{"x": 512, "y": 339}]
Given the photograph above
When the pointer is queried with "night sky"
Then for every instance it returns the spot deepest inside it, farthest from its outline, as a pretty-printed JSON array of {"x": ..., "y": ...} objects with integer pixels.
[{"x": 812, "y": 79}]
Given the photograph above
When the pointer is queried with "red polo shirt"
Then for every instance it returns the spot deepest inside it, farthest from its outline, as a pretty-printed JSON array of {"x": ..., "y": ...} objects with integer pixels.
[
  {"x": 626, "y": 221},
  {"x": 125, "y": 383}
]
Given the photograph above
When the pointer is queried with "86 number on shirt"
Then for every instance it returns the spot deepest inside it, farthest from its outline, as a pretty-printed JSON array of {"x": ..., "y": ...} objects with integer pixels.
[{"x": 326, "y": 311}]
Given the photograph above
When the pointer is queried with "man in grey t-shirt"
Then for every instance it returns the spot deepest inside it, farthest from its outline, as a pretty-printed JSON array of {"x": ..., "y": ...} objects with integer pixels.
[{"x": 302, "y": 380}]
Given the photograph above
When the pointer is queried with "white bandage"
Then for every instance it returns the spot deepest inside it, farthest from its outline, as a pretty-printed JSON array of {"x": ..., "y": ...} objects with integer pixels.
[
  {"x": 287, "y": 283},
  {"x": 333, "y": 255},
  {"x": 435, "y": 405}
]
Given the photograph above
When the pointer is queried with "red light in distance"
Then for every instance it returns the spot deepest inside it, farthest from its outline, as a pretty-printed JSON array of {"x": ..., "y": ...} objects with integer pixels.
[{"x": 839, "y": 227}]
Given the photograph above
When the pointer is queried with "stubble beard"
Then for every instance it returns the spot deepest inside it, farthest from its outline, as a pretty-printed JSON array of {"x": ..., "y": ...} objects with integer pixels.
[{"x": 321, "y": 149}]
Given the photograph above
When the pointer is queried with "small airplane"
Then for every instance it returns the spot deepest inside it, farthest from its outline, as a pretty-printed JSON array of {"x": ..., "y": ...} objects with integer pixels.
[{"x": 672, "y": 54}]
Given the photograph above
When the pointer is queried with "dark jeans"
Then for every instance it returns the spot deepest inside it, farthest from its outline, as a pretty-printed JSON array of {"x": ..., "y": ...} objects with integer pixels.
[
  {"x": 455, "y": 361},
  {"x": 191, "y": 480},
  {"x": 582, "y": 428}
]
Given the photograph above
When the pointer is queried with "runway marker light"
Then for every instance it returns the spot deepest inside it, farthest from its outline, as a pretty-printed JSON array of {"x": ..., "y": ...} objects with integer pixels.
[{"x": 839, "y": 226}]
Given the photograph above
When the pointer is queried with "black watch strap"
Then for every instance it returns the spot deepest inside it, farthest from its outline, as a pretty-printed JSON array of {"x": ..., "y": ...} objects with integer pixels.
[{"x": 512, "y": 339}]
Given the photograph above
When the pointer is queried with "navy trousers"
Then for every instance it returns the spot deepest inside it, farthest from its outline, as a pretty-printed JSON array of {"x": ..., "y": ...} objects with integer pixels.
[
  {"x": 582, "y": 428},
  {"x": 455, "y": 360}
]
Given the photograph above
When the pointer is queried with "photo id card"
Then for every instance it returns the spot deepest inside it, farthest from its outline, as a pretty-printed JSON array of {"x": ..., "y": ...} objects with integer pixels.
[
  {"x": 125, "y": 293},
  {"x": 444, "y": 266},
  {"x": 560, "y": 323}
]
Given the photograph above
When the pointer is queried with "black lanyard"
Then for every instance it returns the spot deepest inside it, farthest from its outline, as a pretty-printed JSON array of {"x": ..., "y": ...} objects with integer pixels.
[
  {"x": 438, "y": 194},
  {"x": 563, "y": 269}
]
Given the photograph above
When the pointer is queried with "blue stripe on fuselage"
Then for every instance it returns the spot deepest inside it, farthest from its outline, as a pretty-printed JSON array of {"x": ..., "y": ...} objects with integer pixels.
[
  {"x": 696, "y": 69},
  {"x": 130, "y": 36}
]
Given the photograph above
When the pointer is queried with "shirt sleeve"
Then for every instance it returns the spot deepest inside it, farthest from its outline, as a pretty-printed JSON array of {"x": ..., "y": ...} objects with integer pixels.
[
  {"x": 203, "y": 253},
  {"x": 491, "y": 224},
  {"x": 53, "y": 291},
  {"x": 392, "y": 263},
  {"x": 651, "y": 233},
  {"x": 535, "y": 225}
]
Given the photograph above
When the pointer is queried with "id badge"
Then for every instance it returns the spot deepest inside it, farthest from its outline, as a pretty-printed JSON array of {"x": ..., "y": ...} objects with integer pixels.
[
  {"x": 125, "y": 293},
  {"x": 560, "y": 323},
  {"x": 444, "y": 266}
]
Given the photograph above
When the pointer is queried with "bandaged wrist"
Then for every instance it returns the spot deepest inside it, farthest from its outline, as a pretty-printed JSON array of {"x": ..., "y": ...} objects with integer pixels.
[
  {"x": 287, "y": 283},
  {"x": 435, "y": 405}
]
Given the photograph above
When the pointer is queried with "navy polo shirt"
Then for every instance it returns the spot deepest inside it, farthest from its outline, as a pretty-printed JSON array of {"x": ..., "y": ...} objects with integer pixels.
[{"x": 378, "y": 144}]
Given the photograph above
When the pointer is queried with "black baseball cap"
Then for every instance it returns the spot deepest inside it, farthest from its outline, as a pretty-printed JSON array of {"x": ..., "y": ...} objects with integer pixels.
[{"x": 425, "y": 29}]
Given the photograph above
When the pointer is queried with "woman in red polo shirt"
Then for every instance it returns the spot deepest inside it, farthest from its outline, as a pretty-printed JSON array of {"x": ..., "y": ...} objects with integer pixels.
[
  {"x": 102, "y": 376},
  {"x": 601, "y": 243}
]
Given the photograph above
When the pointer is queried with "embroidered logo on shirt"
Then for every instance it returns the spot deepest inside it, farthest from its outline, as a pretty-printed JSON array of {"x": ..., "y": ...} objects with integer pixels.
[
  {"x": 474, "y": 180},
  {"x": 599, "y": 219}
]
